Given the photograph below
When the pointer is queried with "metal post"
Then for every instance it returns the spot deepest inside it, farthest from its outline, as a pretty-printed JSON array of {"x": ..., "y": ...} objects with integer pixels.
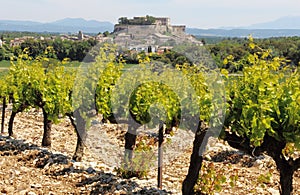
[
  {"x": 3, "y": 114},
  {"x": 160, "y": 155}
]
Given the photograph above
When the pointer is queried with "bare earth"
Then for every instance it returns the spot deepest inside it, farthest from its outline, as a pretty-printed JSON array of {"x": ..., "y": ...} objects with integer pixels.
[{"x": 28, "y": 168}]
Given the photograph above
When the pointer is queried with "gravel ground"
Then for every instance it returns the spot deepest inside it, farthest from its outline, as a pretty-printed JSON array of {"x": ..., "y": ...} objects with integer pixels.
[{"x": 28, "y": 168}]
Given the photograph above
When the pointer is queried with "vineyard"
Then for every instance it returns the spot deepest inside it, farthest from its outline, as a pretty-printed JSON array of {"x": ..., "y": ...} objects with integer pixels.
[{"x": 103, "y": 113}]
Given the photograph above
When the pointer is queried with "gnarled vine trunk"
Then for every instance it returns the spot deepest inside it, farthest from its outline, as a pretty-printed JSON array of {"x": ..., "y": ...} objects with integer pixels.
[
  {"x": 195, "y": 161},
  {"x": 274, "y": 149},
  {"x": 286, "y": 170},
  {"x": 11, "y": 123},
  {"x": 47, "y": 130},
  {"x": 286, "y": 178},
  {"x": 12, "y": 118},
  {"x": 130, "y": 141},
  {"x": 79, "y": 125},
  {"x": 285, "y": 167},
  {"x": 79, "y": 152}
]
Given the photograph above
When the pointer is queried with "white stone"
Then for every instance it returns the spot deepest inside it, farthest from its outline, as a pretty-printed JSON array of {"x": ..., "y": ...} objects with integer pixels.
[{"x": 273, "y": 191}]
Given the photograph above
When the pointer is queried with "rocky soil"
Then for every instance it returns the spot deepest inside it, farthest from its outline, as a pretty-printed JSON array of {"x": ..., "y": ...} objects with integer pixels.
[{"x": 28, "y": 168}]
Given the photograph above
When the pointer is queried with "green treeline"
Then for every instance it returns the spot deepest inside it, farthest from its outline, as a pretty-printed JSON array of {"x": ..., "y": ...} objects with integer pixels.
[
  {"x": 237, "y": 48},
  {"x": 74, "y": 50},
  {"x": 287, "y": 47}
]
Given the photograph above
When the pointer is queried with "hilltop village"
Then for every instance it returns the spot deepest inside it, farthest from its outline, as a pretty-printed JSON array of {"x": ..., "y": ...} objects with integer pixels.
[{"x": 141, "y": 32}]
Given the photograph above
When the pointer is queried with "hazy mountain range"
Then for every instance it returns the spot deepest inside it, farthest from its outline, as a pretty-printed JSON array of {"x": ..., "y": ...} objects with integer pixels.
[
  {"x": 286, "y": 26},
  {"x": 256, "y": 33},
  {"x": 67, "y": 25},
  {"x": 289, "y": 22}
]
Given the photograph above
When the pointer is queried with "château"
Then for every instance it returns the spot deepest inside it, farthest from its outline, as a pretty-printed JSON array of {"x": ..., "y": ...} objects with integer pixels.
[
  {"x": 144, "y": 31},
  {"x": 148, "y": 24}
]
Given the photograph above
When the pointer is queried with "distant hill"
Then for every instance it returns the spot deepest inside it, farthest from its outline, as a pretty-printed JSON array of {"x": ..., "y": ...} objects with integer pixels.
[
  {"x": 67, "y": 25},
  {"x": 257, "y": 33},
  {"x": 289, "y": 22},
  {"x": 286, "y": 26}
]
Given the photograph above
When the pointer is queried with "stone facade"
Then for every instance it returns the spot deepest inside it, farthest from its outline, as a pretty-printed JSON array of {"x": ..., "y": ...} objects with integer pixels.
[
  {"x": 141, "y": 29},
  {"x": 163, "y": 21},
  {"x": 80, "y": 35},
  {"x": 162, "y": 25},
  {"x": 178, "y": 29}
]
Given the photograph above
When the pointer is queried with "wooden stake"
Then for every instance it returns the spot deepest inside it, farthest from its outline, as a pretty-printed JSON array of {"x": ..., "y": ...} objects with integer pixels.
[
  {"x": 3, "y": 114},
  {"x": 160, "y": 155}
]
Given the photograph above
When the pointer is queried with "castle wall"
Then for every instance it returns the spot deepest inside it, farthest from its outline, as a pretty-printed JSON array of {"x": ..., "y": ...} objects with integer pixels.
[
  {"x": 163, "y": 21},
  {"x": 141, "y": 29},
  {"x": 178, "y": 29},
  {"x": 162, "y": 25}
]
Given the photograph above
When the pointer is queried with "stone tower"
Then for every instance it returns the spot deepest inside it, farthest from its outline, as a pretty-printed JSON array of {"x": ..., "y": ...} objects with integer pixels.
[{"x": 80, "y": 35}]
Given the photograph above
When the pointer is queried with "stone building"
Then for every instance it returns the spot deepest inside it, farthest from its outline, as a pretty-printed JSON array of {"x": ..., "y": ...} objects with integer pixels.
[
  {"x": 80, "y": 35},
  {"x": 161, "y": 25},
  {"x": 163, "y": 21},
  {"x": 140, "y": 33}
]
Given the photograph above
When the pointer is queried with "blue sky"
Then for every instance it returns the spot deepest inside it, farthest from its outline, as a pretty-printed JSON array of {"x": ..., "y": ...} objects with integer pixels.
[{"x": 193, "y": 13}]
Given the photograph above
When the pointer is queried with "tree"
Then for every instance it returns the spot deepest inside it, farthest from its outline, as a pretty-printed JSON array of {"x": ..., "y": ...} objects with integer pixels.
[
  {"x": 35, "y": 47},
  {"x": 23, "y": 81},
  {"x": 263, "y": 113},
  {"x": 106, "y": 34},
  {"x": 40, "y": 84},
  {"x": 203, "y": 41},
  {"x": 150, "y": 19},
  {"x": 2, "y": 54},
  {"x": 123, "y": 20},
  {"x": 91, "y": 93}
]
